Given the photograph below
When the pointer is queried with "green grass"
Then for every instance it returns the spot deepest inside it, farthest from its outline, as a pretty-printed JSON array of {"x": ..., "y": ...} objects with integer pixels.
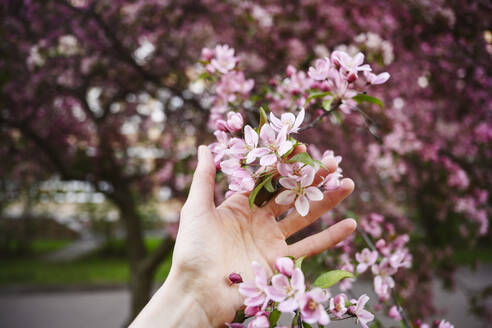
[
  {"x": 39, "y": 247},
  {"x": 481, "y": 253},
  {"x": 99, "y": 268}
]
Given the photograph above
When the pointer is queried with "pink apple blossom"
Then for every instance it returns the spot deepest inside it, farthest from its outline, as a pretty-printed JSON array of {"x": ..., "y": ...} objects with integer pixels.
[
  {"x": 260, "y": 321},
  {"x": 363, "y": 316},
  {"x": 255, "y": 292},
  {"x": 393, "y": 313},
  {"x": 300, "y": 191},
  {"x": 285, "y": 266},
  {"x": 312, "y": 306},
  {"x": 338, "y": 305},
  {"x": 351, "y": 65},
  {"x": 320, "y": 70},
  {"x": 445, "y": 324},
  {"x": 366, "y": 258},
  {"x": 376, "y": 79},
  {"x": 288, "y": 122},
  {"x": 286, "y": 292},
  {"x": 224, "y": 59},
  {"x": 383, "y": 281},
  {"x": 234, "y": 121},
  {"x": 273, "y": 146}
]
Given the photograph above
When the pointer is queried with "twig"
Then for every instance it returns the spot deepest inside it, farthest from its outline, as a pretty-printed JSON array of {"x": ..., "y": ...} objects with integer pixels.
[{"x": 313, "y": 123}]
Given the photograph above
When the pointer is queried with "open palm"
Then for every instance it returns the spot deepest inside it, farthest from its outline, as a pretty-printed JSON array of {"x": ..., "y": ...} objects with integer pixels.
[{"x": 214, "y": 241}]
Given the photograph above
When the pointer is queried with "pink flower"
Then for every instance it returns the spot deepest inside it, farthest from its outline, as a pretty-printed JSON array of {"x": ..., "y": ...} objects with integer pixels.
[
  {"x": 383, "y": 281},
  {"x": 219, "y": 148},
  {"x": 351, "y": 65},
  {"x": 273, "y": 146},
  {"x": 393, "y": 313},
  {"x": 338, "y": 306},
  {"x": 288, "y": 122},
  {"x": 292, "y": 170},
  {"x": 400, "y": 258},
  {"x": 362, "y": 315},
  {"x": 255, "y": 292},
  {"x": 300, "y": 191},
  {"x": 207, "y": 54},
  {"x": 366, "y": 258},
  {"x": 320, "y": 70},
  {"x": 285, "y": 266},
  {"x": 224, "y": 60},
  {"x": 251, "y": 139},
  {"x": 234, "y": 121},
  {"x": 287, "y": 292},
  {"x": 331, "y": 181},
  {"x": 260, "y": 321},
  {"x": 329, "y": 154},
  {"x": 376, "y": 79},
  {"x": 241, "y": 180},
  {"x": 312, "y": 306},
  {"x": 445, "y": 324}
]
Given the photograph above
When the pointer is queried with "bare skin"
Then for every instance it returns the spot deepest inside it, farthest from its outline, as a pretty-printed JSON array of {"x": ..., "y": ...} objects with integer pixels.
[{"x": 213, "y": 242}]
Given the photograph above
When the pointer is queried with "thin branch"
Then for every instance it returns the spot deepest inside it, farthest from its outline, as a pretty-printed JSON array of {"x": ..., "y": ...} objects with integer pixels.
[{"x": 319, "y": 118}]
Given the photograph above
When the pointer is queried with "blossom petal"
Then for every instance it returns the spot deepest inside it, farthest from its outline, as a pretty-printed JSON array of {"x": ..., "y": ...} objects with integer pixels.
[
  {"x": 302, "y": 205},
  {"x": 268, "y": 159},
  {"x": 299, "y": 119},
  {"x": 289, "y": 183},
  {"x": 285, "y": 197},
  {"x": 298, "y": 280},
  {"x": 250, "y": 136},
  {"x": 313, "y": 193},
  {"x": 289, "y": 305},
  {"x": 284, "y": 147}
]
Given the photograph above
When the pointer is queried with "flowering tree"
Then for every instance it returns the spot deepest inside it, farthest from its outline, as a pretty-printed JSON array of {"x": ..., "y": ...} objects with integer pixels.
[{"x": 93, "y": 87}]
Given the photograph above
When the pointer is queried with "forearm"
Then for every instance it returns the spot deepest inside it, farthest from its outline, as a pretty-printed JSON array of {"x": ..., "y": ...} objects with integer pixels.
[{"x": 173, "y": 305}]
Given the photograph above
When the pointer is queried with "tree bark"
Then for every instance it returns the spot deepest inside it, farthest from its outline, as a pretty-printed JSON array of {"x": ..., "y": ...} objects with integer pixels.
[{"x": 142, "y": 264}]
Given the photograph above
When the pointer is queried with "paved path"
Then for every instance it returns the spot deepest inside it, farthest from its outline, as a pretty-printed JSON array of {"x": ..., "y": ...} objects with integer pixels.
[
  {"x": 107, "y": 309},
  {"x": 77, "y": 249}
]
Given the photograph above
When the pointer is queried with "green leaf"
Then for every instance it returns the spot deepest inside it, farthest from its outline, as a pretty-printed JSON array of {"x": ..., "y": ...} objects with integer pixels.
[
  {"x": 274, "y": 316},
  {"x": 204, "y": 75},
  {"x": 318, "y": 94},
  {"x": 306, "y": 325},
  {"x": 298, "y": 262},
  {"x": 257, "y": 189},
  {"x": 306, "y": 159},
  {"x": 330, "y": 278},
  {"x": 365, "y": 98},
  {"x": 327, "y": 104},
  {"x": 263, "y": 117},
  {"x": 269, "y": 186},
  {"x": 337, "y": 117}
]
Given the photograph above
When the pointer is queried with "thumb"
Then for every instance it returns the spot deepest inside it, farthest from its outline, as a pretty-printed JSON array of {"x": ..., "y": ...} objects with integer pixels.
[{"x": 202, "y": 187}]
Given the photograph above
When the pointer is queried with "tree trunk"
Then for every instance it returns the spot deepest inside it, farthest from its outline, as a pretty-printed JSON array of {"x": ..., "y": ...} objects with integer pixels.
[
  {"x": 142, "y": 265},
  {"x": 140, "y": 290}
]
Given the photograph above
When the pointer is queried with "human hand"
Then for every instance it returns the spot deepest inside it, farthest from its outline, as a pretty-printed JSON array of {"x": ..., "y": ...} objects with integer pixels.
[{"x": 213, "y": 242}]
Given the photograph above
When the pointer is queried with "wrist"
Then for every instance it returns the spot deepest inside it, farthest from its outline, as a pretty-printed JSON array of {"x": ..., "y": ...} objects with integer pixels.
[{"x": 175, "y": 304}]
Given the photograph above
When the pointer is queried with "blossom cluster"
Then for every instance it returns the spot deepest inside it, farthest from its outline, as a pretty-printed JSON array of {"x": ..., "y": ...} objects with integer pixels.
[
  {"x": 286, "y": 292},
  {"x": 387, "y": 256},
  {"x": 231, "y": 84},
  {"x": 248, "y": 156},
  {"x": 340, "y": 77}
]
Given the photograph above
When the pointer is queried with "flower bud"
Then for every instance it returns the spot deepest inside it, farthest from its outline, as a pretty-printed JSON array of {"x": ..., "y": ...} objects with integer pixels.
[
  {"x": 235, "y": 278},
  {"x": 290, "y": 70},
  {"x": 222, "y": 125},
  {"x": 251, "y": 310},
  {"x": 235, "y": 121},
  {"x": 285, "y": 266},
  {"x": 207, "y": 54},
  {"x": 352, "y": 77}
]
